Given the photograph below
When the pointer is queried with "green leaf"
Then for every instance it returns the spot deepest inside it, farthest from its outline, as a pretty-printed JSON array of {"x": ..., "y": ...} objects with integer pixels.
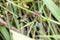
[
  {"x": 26, "y": 0},
  {"x": 53, "y": 8},
  {"x": 4, "y": 32}
]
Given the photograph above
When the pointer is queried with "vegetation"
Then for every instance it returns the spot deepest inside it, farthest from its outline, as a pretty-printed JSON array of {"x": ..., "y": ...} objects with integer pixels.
[{"x": 34, "y": 19}]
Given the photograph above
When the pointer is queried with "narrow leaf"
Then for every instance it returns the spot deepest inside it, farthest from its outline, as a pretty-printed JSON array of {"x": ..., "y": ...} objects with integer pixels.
[
  {"x": 53, "y": 8},
  {"x": 5, "y": 33}
]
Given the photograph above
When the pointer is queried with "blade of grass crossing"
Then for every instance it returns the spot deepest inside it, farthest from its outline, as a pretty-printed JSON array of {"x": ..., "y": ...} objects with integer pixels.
[{"x": 53, "y": 8}]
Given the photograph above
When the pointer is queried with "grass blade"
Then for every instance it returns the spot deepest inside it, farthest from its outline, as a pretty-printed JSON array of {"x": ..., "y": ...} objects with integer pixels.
[
  {"x": 53, "y": 8},
  {"x": 4, "y": 32}
]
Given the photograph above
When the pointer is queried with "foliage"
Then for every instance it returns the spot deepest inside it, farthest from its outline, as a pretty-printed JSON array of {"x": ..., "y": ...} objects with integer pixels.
[{"x": 37, "y": 19}]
